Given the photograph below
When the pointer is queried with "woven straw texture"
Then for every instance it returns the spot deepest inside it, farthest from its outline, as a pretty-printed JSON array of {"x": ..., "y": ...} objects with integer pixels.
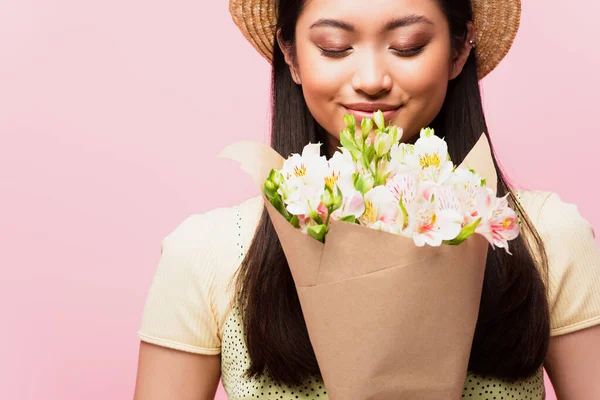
[{"x": 496, "y": 25}]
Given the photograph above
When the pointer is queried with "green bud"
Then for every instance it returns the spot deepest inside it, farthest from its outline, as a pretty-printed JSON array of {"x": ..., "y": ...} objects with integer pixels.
[
  {"x": 350, "y": 122},
  {"x": 327, "y": 197},
  {"x": 379, "y": 119},
  {"x": 383, "y": 144},
  {"x": 366, "y": 126},
  {"x": 427, "y": 132},
  {"x": 270, "y": 189},
  {"x": 278, "y": 178},
  {"x": 396, "y": 134},
  {"x": 318, "y": 232}
]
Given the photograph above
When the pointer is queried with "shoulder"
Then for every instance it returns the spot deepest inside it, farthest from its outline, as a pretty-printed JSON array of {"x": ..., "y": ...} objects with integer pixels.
[
  {"x": 552, "y": 216},
  {"x": 217, "y": 230},
  {"x": 210, "y": 246},
  {"x": 573, "y": 260},
  {"x": 190, "y": 296}
]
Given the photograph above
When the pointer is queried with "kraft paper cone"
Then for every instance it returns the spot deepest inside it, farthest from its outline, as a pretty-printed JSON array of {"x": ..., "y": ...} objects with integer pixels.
[{"x": 386, "y": 319}]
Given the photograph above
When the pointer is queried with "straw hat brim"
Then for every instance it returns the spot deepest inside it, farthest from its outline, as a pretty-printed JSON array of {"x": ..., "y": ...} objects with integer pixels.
[{"x": 496, "y": 25}]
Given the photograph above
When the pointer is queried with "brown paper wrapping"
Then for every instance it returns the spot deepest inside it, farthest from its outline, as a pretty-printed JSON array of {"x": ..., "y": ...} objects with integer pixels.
[{"x": 386, "y": 319}]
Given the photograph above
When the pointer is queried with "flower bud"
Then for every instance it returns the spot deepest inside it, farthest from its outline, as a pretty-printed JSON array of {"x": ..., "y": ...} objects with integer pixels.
[
  {"x": 379, "y": 119},
  {"x": 383, "y": 143},
  {"x": 427, "y": 132},
  {"x": 350, "y": 122},
  {"x": 366, "y": 126},
  {"x": 327, "y": 197}
]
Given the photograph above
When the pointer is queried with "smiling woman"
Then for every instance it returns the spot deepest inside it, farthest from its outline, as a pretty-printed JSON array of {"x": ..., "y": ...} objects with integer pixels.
[
  {"x": 351, "y": 60},
  {"x": 416, "y": 61}
]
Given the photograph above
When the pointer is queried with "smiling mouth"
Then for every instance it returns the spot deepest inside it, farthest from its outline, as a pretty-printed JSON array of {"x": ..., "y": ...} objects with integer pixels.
[
  {"x": 371, "y": 107},
  {"x": 362, "y": 112}
]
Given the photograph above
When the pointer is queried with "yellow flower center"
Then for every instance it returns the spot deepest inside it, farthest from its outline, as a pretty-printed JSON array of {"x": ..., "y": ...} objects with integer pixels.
[
  {"x": 332, "y": 179},
  {"x": 428, "y": 226},
  {"x": 370, "y": 214},
  {"x": 429, "y": 160},
  {"x": 507, "y": 223},
  {"x": 300, "y": 170}
]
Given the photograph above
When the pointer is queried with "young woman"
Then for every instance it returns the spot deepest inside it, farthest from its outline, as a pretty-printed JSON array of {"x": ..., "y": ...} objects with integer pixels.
[{"x": 223, "y": 303}]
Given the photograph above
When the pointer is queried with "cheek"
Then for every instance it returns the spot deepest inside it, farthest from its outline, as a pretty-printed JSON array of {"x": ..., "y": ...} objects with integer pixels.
[
  {"x": 322, "y": 85},
  {"x": 424, "y": 83}
]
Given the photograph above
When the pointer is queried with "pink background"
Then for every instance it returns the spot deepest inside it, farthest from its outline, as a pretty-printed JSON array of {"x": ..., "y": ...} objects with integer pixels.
[{"x": 111, "y": 117}]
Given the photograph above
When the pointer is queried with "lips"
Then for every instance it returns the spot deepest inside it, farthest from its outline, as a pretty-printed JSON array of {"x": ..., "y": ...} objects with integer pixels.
[
  {"x": 362, "y": 110},
  {"x": 371, "y": 107}
]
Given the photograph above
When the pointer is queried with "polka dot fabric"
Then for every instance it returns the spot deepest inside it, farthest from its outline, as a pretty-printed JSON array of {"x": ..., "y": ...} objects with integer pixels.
[{"x": 235, "y": 361}]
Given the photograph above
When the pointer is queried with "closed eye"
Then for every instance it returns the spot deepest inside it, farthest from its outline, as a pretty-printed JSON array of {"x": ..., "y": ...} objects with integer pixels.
[
  {"x": 408, "y": 52},
  {"x": 335, "y": 53}
]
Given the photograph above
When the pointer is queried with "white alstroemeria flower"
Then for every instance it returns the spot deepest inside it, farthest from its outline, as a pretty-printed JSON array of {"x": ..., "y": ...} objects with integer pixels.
[
  {"x": 467, "y": 185},
  {"x": 499, "y": 223},
  {"x": 399, "y": 151},
  {"x": 304, "y": 200},
  {"x": 430, "y": 156},
  {"x": 353, "y": 204},
  {"x": 436, "y": 217},
  {"x": 310, "y": 169},
  {"x": 381, "y": 208},
  {"x": 341, "y": 170},
  {"x": 405, "y": 189}
]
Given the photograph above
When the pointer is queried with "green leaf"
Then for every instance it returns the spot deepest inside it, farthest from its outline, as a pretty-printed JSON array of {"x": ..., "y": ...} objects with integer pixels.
[
  {"x": 404, "y": 213},
  {"x": 295, "y": 221},
  {"x": 349, "y": 218},
  {"x": 347, "y": 140},
  {"x": 395, "y": 134},
  {"x": 317, "y": 232},
  {"x": 483, "y": 182},
  {"x": 370, "y": 154},
  {"x": 338, "y": 199},
  {"x": 279, "y": 206},
  {"x": 466, "y": 231},
  {"x": 361, "y": 184}
]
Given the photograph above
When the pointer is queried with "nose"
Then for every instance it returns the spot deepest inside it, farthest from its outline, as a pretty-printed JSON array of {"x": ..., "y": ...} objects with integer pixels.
[{"x": 371, "y": 76}]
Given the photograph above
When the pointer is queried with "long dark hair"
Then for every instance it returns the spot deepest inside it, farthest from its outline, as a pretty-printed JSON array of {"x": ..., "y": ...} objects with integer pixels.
[{"x": 513, "y": 329}]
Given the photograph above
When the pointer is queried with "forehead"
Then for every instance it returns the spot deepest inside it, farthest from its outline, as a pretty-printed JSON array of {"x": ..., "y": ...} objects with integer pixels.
[{"x": 370, "y": 13}]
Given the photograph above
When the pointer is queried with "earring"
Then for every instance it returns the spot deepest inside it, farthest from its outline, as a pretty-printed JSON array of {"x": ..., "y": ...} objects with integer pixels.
[{"x": 472, "y": 42}]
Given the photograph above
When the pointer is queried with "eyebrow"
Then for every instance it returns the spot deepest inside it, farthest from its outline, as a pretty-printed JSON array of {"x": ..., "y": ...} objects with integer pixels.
[{"x": 389, "y": 26}]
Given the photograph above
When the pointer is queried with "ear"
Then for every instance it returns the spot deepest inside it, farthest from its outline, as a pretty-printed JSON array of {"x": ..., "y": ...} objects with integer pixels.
[
  {"x": 289, "y": 58},
  {"x": 459, "y": 57}
]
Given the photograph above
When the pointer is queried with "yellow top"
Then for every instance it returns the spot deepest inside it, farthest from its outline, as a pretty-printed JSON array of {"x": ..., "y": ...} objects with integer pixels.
[{"x": 189, "y": 303}]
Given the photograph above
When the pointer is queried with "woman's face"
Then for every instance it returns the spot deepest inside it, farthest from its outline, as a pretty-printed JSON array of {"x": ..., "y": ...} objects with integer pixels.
[{"x": 357, "y": 56}]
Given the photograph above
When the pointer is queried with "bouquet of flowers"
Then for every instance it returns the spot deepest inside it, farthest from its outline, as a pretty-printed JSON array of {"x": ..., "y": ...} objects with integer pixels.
[
  {"x": 387, "y": 316},
  {"x": 376, "y": 181}
]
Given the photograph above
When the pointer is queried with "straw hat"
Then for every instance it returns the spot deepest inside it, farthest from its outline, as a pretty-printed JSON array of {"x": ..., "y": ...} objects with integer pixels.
[{"x": 496, "y": 24}]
